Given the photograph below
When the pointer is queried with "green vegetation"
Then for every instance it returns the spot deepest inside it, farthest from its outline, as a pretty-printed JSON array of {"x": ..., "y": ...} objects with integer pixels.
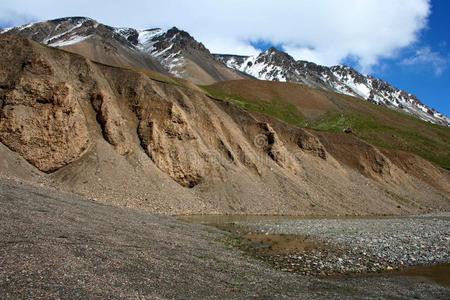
[
  {"x": 377, "y": 125},
  {"x": 426, "y": 140},
  {"x": 276, "y": 108}
]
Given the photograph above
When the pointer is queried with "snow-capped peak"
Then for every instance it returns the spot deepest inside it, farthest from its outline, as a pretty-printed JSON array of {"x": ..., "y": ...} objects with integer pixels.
[{"x": 276, "y": 65}]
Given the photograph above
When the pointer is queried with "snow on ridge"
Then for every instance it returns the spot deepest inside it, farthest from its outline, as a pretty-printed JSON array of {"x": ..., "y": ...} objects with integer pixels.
[
  {"x": 341, "y": 79},
  {"x": 260, "y": 70},
  {"x": 73, "y": 40},
  {"x": 20, "y": 28},
  {"x": 232, "y": 63},
  {"x": 122, "y": 31},
  {"x": 146, "y": 37},
  {"x": 4, "y": 30},
  {"x": 360, "y": 89},
  {"x": 51, "y": 38}
]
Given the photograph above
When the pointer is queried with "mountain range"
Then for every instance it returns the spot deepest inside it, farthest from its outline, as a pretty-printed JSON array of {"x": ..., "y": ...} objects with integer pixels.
[
  {"x": 176, "y": 53},
  {"x": 151, "y": 119}
]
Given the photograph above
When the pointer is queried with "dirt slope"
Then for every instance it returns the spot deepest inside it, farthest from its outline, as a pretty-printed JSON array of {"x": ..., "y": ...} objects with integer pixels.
[
  {"x": 112, "y": 52},
  {"x": 144, "y": 140},
  {"x": 326, "y": 111}
]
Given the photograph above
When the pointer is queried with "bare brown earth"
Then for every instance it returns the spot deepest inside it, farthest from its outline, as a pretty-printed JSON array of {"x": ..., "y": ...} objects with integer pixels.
[
  {"x": 202, "y": 68},
  {"x": 198, "y": 67},
  {"x": 133, "y": 138},
  {"x": 111, "y": 52}
]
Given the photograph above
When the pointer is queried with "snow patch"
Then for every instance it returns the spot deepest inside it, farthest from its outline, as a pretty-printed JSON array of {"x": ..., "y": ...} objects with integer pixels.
[
  {"x": 55, "y": 37},
  {"x": 73, "y": 40},
  {"x": 146, "y": 38},
  {"x": 4, "y": 30}
]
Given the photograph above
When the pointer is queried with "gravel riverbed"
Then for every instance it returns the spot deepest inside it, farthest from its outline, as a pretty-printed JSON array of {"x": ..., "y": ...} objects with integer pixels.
[
  {"x": 57, "y": 245},
  {"x": 361, "y": 245}
]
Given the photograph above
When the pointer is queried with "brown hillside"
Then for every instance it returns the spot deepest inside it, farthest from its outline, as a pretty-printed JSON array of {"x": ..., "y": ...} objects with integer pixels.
[
  {"x": 326, "y": 111},
  {"x": 131, "y": 138}
]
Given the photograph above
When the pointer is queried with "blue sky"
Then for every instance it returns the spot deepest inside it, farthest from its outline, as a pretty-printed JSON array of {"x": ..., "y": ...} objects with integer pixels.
[
  {"x": 428, "y": 73},
  {"x": 405, "y": 42},
  {"x": 422, "y": 68}
]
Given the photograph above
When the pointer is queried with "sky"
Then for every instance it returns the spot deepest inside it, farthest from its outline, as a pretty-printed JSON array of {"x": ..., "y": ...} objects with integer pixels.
[{"x": 405, "y": 42}]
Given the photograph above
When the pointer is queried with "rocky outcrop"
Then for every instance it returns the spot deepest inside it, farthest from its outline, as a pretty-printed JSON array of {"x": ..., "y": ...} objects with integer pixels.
[
  {"x": 112, "y": 123},
  {"x": 43, "y": 121},
  {"x": 310, "y": 143},
  {"x": 178, "y": 40},
  {"x": 168, "y": 139},
  {"x": 269, "y": 142}
]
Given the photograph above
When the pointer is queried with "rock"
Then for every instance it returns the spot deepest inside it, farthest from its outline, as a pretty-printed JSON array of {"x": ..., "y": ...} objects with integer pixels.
[
  {"x": 43, "y": 121},
  {"x": 114, "y": 127}
]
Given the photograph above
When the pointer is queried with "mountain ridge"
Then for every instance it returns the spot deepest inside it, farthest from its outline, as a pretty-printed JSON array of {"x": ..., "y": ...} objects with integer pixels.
[
  {"x": 177, "y": 53},
  {"x": 173, "y": 51},
  {"x": 276, "y": 65}
]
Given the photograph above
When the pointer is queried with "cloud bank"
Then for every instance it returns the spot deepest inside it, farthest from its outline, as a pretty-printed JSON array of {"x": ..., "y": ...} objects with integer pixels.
[
  {"x": 324, "y": 31},
  {"x": 425, "y": 56}
]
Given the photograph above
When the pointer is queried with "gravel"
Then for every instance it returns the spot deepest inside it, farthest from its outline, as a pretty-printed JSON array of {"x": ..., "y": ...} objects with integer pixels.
[
  {"x": 363, "y": 245},
  {"x": 61, "y": 246}
]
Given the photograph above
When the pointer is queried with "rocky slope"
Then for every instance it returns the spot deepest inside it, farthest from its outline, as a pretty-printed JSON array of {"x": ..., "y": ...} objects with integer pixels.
[
  {"x": 279, "y": 66},
  {"x": 131, "y": 138},
  {"x": 174, "y": 51}
]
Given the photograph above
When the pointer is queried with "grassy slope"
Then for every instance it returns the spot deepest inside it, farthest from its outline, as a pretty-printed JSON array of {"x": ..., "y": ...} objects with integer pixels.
[
  {"x": 279, "y": 109},
  {"x": 326, "y": 111}
]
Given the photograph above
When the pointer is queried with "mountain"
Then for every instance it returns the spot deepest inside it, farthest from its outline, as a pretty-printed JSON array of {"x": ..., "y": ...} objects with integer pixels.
[
  {"x": 91, "y": 39},
  {"x": 172, "y": 52},
  {"x": 321, "y": 110},
  {"x": 275, "y": 65},
  {"x": 175, "y": 52},
  {"x": 135, "y": 138}
]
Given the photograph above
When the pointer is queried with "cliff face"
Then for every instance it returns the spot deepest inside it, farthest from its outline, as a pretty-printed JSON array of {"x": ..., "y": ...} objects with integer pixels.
[{"x": 144, "y": 140}]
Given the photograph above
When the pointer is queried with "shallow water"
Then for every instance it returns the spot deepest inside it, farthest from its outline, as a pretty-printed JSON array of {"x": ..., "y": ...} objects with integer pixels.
[
  {"x": 273, "y": 245},
  {"x": 438, "y": 273},
  {"x": 224, "y": 219}
]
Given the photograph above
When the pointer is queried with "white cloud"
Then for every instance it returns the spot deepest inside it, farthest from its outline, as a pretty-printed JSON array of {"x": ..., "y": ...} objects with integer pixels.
[
  {"x": 326, "y": 31},
  {"x": 221, "y": 45},
  {"x": 12, "y": 18},
  {"x": 425, "y": 56}
]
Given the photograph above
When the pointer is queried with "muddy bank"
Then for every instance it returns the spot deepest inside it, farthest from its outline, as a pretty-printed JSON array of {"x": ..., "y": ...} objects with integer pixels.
[{"x": 344, "y": 245}]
